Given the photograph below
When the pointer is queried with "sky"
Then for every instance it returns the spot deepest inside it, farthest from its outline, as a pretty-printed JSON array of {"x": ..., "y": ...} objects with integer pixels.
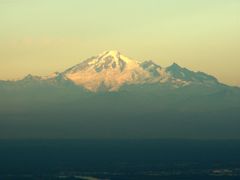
[{"x": 43, "y": 36}]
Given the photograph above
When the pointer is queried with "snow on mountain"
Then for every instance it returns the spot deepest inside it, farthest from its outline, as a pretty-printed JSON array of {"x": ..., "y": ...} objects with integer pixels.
[
  {"x": 178, "y": 72},
  {"x": 111, "y": 70}
]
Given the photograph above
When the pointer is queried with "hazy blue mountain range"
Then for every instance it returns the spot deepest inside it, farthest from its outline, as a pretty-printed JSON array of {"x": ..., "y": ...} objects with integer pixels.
[{"x": 113, "y": 96}]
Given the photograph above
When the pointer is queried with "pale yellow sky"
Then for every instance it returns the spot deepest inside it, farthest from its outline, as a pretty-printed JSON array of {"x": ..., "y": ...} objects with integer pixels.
[{"x": 40, "y": 37}]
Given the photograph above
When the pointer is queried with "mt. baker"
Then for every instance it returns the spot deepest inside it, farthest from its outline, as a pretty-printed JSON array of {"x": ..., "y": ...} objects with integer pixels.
[
  {"x": 111, "y": 70},
  {"x": 115, "y": 97}
]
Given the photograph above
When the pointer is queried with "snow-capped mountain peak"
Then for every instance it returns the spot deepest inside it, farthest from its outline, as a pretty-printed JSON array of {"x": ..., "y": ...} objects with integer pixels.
[
  {"x": 106, "y": 60},
  {"x": 111, "y": 70}
]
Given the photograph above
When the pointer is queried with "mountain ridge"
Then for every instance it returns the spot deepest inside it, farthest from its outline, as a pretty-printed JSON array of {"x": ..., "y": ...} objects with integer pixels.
[{"x": 112, "y": 70}]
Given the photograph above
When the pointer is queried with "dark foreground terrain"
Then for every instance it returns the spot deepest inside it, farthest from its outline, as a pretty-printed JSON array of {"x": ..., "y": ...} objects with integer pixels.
[{"x": 120, "y": 159}]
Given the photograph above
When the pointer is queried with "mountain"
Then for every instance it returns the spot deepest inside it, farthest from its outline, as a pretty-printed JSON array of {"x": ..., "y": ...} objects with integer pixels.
[
  {"x": 111, "y": 70},
  {"x": 113, "y": 96}
]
